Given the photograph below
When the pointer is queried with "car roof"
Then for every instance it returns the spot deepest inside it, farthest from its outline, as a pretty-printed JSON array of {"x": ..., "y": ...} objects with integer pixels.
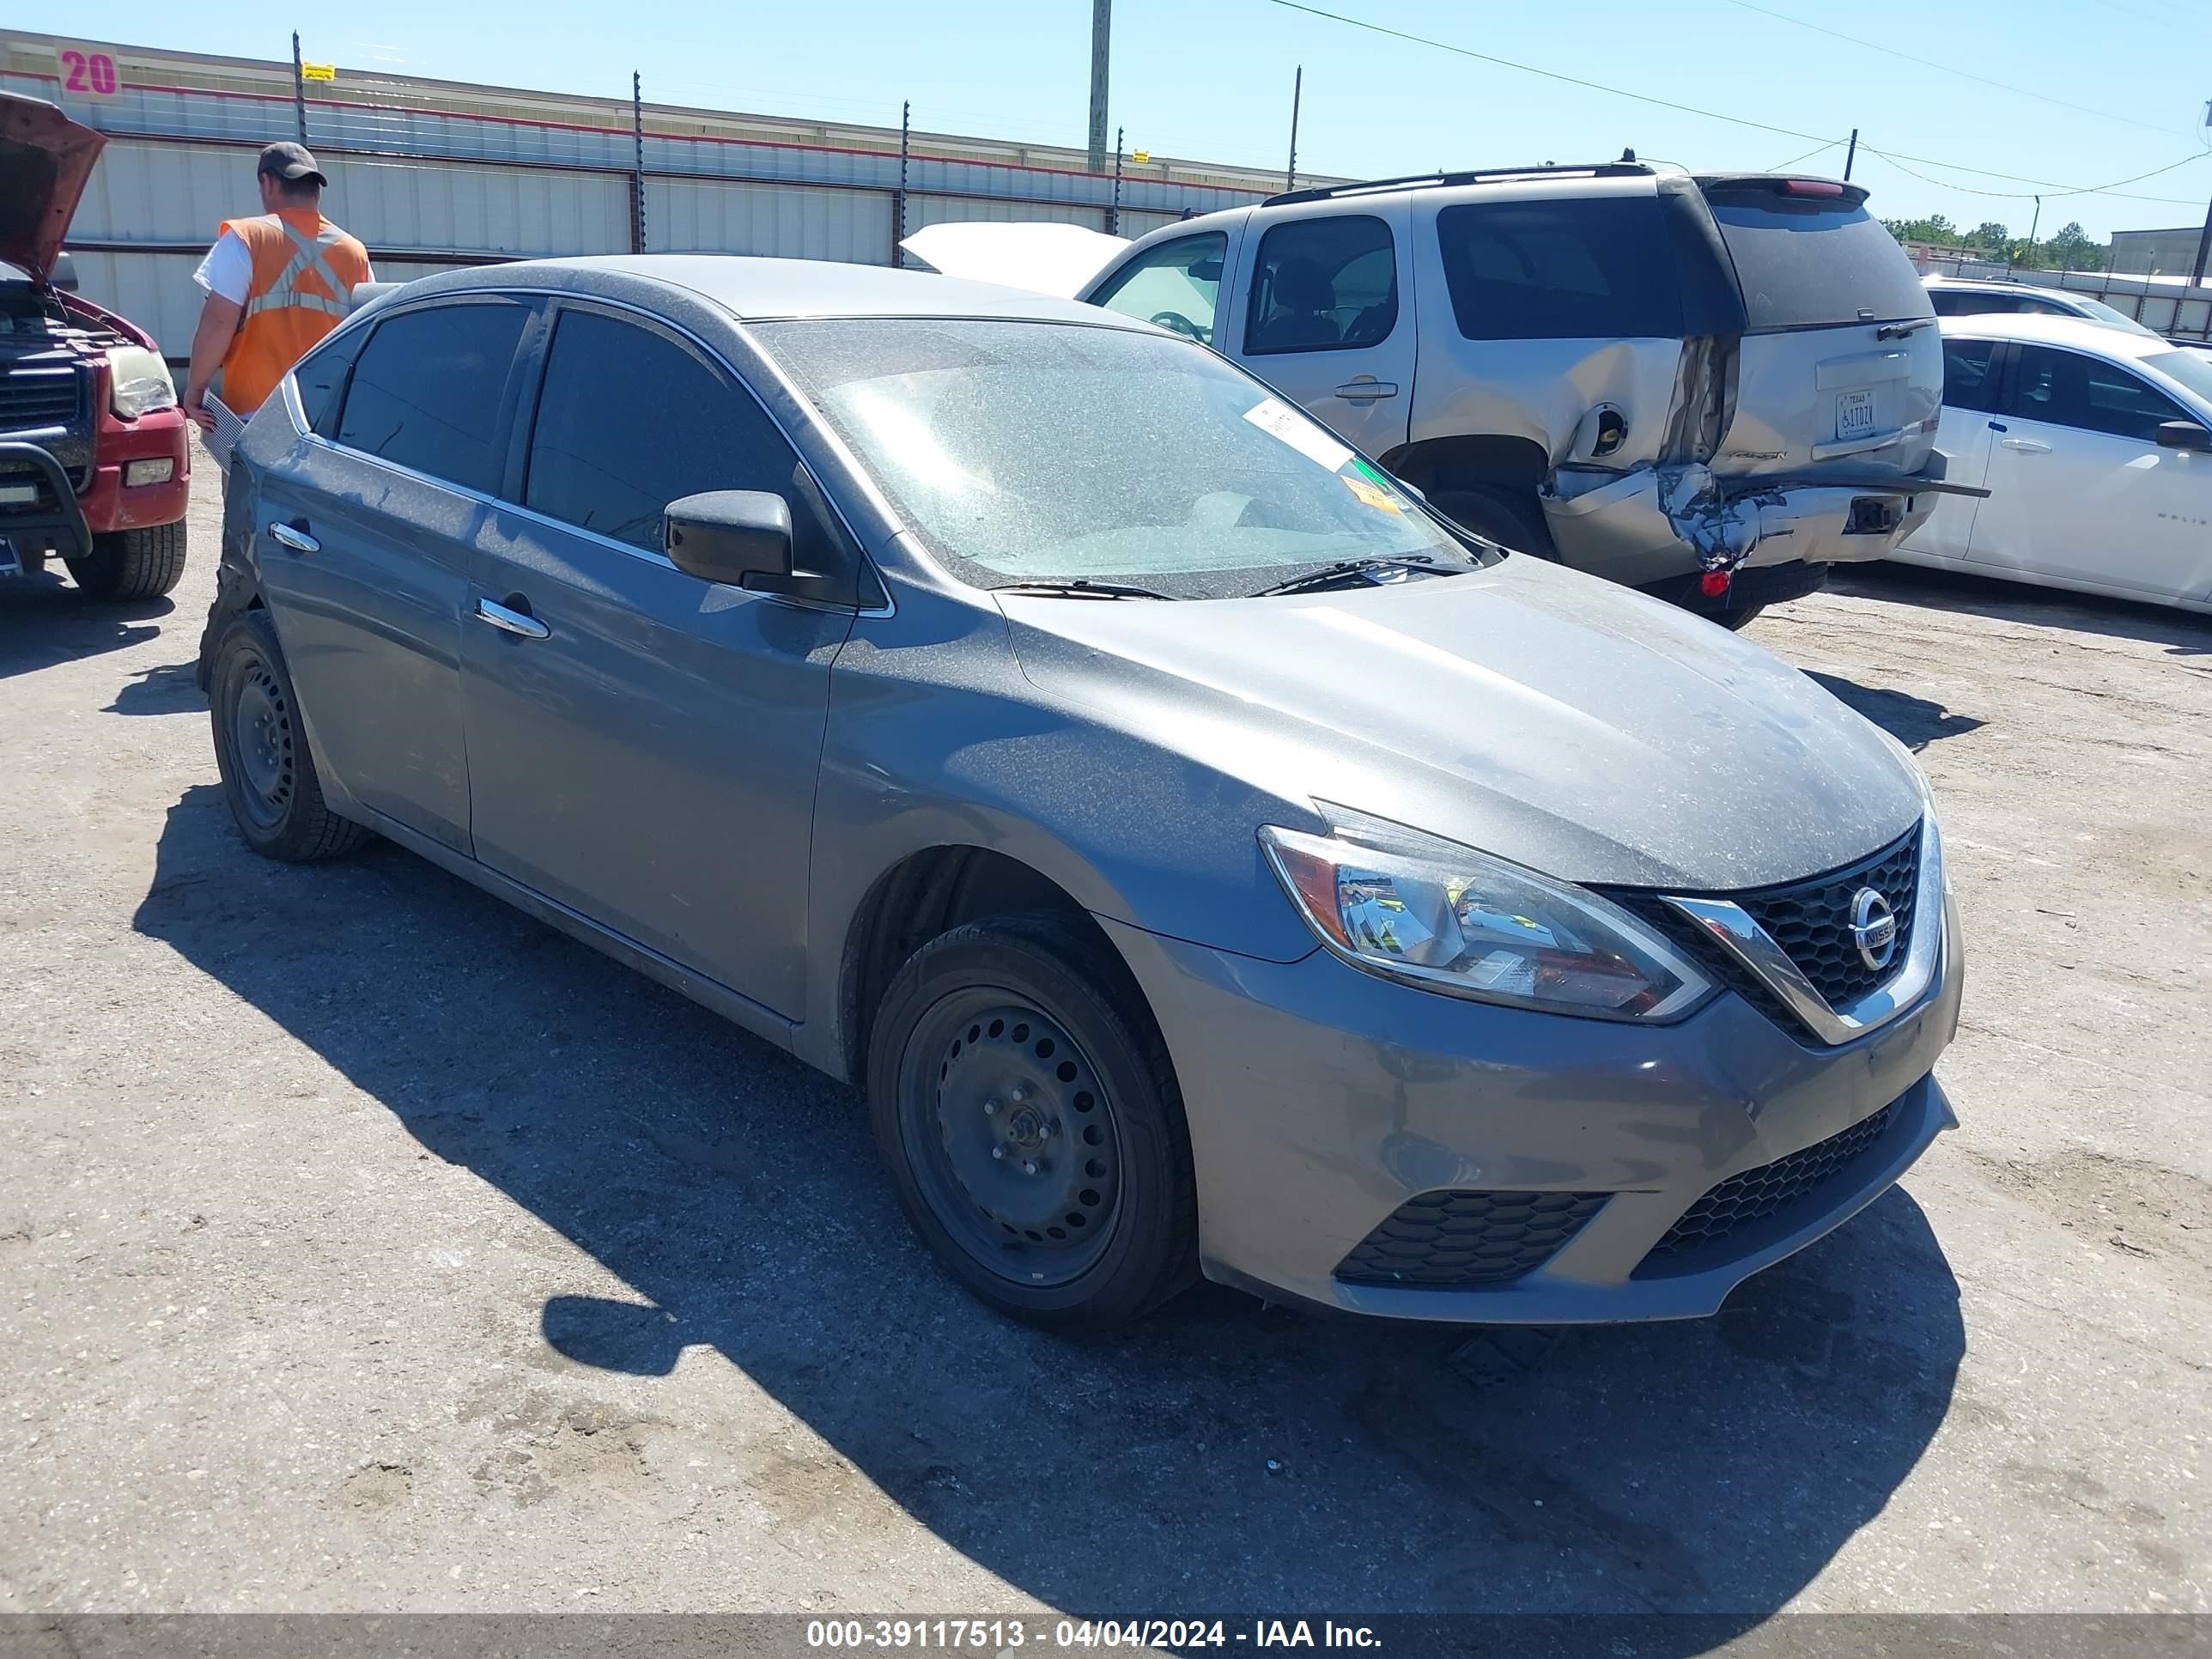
[
  {"x": 2044, "y": 329},
  {"x": 756, "y": 290},
  {"x": 2000, "y": 285}
]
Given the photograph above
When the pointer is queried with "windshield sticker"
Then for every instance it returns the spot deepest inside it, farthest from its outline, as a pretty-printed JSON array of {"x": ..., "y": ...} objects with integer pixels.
[
  {"x": 1370, "y": 495},
  {"x": 1278, "y": 420}
]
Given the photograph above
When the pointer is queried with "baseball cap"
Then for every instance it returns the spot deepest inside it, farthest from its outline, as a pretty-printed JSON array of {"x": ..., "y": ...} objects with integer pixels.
[{"x": 291, "y": 162}]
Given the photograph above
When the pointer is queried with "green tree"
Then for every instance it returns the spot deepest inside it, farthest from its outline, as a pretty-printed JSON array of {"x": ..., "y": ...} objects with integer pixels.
[
  {"x": 1990, "y": 234},
  {"x": 2069, "y": 247}
]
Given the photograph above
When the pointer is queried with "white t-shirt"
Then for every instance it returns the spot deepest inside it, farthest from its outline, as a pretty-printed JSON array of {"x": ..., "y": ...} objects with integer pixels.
[{"x": 227, "y": 270}]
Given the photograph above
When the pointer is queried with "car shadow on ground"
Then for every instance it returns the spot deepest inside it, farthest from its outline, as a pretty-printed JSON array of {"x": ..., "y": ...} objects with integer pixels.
[
  {"x": 1915, "y": 722},
  {"x": 44, "y": 620},
  {"x": 1225, "y": 1456},
  {"x": 2182, "y": 633}
]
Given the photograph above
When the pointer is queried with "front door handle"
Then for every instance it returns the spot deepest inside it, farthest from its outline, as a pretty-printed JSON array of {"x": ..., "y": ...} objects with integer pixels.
[
  {"x": 299, "y": 541},
  {"x": 519, "y": 622},
  {"x": 1366, "y": 389},
  {"x": 2025, "y": 445}
]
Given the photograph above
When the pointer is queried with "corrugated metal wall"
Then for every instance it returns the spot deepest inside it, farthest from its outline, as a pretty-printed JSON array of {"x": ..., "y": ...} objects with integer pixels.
[{"x": 179, "y": 161}]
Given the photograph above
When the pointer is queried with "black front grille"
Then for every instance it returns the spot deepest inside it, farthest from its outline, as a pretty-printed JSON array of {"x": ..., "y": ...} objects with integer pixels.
[
  {"x": 34, "y": 398},
  {"x": 1468, "y": 1238},
  {"x": 1811, "y": 921},
  {"x": 1756, "y": 1194}
]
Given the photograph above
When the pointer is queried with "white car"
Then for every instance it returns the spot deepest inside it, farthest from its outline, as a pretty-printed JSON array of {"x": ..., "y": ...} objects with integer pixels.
[
  {"x": 2096, "y": 448},
  {"x": 1958, "y": 296}
]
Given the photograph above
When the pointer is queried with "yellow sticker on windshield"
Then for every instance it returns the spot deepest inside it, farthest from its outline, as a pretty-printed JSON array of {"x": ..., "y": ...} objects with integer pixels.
[{"x": 1370, "y": 495}]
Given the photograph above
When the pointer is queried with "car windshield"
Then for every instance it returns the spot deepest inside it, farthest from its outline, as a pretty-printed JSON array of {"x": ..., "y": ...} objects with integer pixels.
[
  {"x": 2098, "y": 311},
  {"x": 2192, "y": 368},
  {"x": 1039, "y": 451}
]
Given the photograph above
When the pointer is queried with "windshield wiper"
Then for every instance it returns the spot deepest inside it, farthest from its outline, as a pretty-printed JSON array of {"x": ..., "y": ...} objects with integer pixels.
[
  {"x": 1080, "y": 589},
  {"x": 1345, "y": 572}
]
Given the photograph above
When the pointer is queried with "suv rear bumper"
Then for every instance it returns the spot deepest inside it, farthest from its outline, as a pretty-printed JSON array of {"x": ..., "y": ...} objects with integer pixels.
[{"x": 1655, "y": 525}]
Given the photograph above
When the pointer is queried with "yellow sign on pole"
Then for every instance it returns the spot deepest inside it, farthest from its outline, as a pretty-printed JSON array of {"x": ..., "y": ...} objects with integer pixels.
[{"x": 319, "y": 71}]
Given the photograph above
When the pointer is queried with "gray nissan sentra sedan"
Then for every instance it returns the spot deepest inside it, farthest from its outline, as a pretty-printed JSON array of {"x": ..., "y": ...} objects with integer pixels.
[{"x": 1205, "y": 858}]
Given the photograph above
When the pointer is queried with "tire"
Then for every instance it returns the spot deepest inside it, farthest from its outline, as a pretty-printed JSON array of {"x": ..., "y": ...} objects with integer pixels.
[
  {"x": 268, "y": 775},
  {"x": 1027, "y": 1034},
  {"x": 133, "y": 564},
  {"x": 1735, "y": 621},
  {"x": 1510, "y": 520}
]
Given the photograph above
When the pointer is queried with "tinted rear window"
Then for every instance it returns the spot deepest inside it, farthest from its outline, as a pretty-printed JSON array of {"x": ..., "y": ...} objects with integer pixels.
[
  {"x": 428, "y": 389},
  {"x": 1814, "y": 262},
  {"x": 1593, "y": 269}
]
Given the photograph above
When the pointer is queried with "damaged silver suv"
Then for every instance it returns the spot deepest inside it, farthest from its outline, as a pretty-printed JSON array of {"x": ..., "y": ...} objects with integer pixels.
[{"x": 1708, "y": 386}]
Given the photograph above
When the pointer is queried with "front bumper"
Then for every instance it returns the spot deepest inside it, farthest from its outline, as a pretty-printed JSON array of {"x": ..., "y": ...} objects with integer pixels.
[
  {"x": 1321, "y": 1099},
  {"x": 109, "y": 503}
]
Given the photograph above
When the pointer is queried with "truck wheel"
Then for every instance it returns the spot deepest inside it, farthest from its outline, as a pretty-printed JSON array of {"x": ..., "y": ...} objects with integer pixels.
[
  {"x": 1024, "y": 1104},
  {"x": 133, "y": 564},
  {"x": 268, "y": 776},
  {"x": 1510, "y": 520},
  {"x": 1736, "y": 620}
]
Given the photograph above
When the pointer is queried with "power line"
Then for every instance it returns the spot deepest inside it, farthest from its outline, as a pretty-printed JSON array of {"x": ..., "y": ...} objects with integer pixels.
[
  {"x": 2047, "y": 185},
  {"x": 1785, "y": 167},
  {"x": 2112, "y": 189},
  {"x": 1549, "y": 75},
  {"x": 1964, "y": 74}
]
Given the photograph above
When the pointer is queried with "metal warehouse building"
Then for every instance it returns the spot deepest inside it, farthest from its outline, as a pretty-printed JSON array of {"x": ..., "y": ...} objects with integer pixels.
[{"x": 435, "y": 174}]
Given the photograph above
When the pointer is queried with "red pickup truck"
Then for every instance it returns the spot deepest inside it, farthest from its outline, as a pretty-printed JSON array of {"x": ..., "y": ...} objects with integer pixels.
[{"x": 94, "y": 456}]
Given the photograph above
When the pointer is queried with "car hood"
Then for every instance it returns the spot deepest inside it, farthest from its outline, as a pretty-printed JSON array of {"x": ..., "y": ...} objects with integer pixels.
[
  {"x": 1543, "y": 716},
  {"x": 45, "y": 159},
  {"x": 1045, "y": 259}
]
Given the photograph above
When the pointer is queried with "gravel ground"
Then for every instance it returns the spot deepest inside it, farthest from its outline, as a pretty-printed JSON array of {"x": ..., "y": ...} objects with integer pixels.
[{"x": 366, "y": 1246}]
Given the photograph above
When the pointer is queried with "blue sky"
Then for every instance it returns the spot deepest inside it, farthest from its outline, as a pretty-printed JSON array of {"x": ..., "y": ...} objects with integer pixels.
[{"x": 1212, "y": 79}]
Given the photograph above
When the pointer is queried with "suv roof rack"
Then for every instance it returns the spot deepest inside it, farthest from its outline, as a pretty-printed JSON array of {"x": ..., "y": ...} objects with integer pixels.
[{"x": 1627, "y": 166}]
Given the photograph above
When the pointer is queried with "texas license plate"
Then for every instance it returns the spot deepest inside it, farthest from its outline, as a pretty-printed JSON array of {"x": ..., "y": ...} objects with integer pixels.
[{"x": 1855, "y": 415}]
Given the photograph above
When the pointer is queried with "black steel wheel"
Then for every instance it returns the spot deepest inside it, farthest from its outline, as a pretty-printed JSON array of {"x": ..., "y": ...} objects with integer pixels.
[
  {"x": 1024, "y": 1103},
  {"x": 268, "y": 775}
]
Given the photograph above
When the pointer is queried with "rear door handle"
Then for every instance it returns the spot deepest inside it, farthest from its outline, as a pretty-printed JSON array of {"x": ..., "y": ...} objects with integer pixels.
[
  {"x": 521, "y": 623},
  {"x": 299, "y": 541},
  {"x": 1366, "y": 392},
  {"x": 2025, "y": 445}
]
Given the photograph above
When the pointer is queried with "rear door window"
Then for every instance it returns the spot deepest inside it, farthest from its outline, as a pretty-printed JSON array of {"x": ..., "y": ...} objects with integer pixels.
[
  {"x": 321, "y": 378},
  {"x": 1813, "y": 261},
  {"x": 631, "y": 419},
  {"x": 2067, "y": 389},
  {"x": 1970, "y": 378},
  {"x": 1177, "y": 285},
  {"x": 1323, "y": 285},
  {"x": 430, "y": 387},
  {"x": 1597, "y": 268}
]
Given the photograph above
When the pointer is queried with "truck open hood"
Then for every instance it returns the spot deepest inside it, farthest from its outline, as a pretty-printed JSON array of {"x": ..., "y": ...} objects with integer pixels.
[
  {"x": 1045, "y": 259},
  {"x": 1538, "y": 714},
  {"x": 45, "y": 159}
]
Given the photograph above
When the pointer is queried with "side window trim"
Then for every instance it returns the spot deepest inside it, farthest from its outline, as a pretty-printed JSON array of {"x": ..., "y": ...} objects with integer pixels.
[
  {"x": 2012, "y": 389},
  {"x": 503, "y": 425}
]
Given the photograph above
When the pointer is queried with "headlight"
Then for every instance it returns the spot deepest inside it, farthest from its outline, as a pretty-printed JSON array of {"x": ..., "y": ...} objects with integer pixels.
[
  {"x": 139, "y": 382},
  {"x": 1413, "y": 906}
]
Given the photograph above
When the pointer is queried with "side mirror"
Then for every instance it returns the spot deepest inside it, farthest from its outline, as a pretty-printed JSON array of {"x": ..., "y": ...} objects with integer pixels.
[
  {"x": 739, "y": 537},
  {"x": 2183, "y": 434},
  {"x": 64, "y": 273}
]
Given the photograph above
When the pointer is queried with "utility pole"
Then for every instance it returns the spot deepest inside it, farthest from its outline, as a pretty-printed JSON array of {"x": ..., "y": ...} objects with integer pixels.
[
  {"x": 1290, "y": 173},
  {"x": 2034, "y": 224},
  {"x": 637, "y": 169},
  {"x": 898, "y": 239},
  {"x": 298, "y": 88},
  {"x": 1850, "y": 156},
  {"x": 2205, "y": 238},
  {"x": 1102, "y": 26}
]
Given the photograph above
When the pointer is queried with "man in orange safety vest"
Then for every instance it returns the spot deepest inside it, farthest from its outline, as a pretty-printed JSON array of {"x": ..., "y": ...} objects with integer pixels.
[{"x": 275, "y": 285}]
